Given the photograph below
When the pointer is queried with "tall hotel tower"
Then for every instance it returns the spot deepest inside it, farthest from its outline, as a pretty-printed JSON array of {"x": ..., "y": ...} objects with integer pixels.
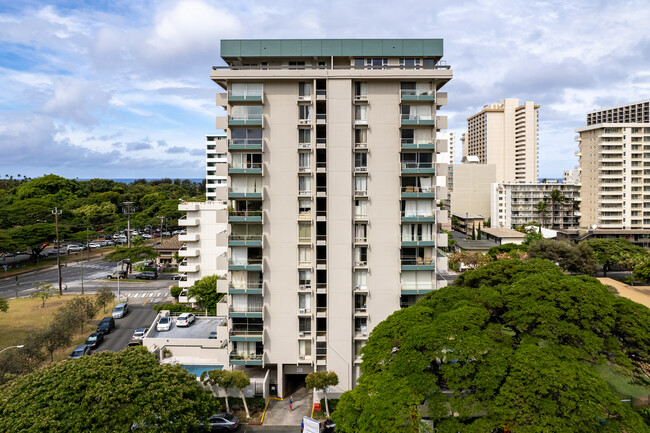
[{"x": 332, "y": 190}]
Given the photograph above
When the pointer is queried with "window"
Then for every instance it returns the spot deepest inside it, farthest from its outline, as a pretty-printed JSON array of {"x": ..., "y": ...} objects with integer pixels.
[
  {"x": 409, "y": 62},
  {"x": 304, "y": 162},
  {"x": 361, "y": 186},
  {"x": 416, "y": 112},
  {"x": 377, "y": 63},
  {"x": 360, "y": 205},
  {"x": 304, "y": 232},
  {"x": 361, "y": 256},
  {"x": 361, "y": 233},
  {"x": 246, "y": 136},
  {"x": 360, "y": 278},
  {"x": 358, "y": 63},
  {"x": 361, "y": 325},
  {"x": 246, "y": 90},
  {"x": 304, "y": 278},
  {"x": 360, "y": 114},
  {"x": 296, "y": 65},
  {"x": 304, "y": 185},
  {"x": 360, "y": 161},
  {"x": 361, "y": 137},
  {"x": 304, "y": 302},
  {"x": 428, "y": 63},
  {"x": 360, "y": 302},
  {"x": 304, "y": 136},
  {"x": 246, "y": 112},
  {"x": 304, "y": 90},
  {"x": 304, "y": 207},
  {"x": 360, "y": 90},
  {"x": 304, "y": 349},
  {"x": 304, "y": 255},
  {"x": 304, "y": 325},
  {"x": 304, "y": 113}
]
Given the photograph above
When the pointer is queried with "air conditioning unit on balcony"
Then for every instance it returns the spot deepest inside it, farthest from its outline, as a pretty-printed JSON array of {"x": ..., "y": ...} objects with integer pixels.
[
  {"x": 301, "y": 311},
  {"x": 301, "y": 334},
  {"x": 364, "y": 334},
  {"x": 357, "y": 287},
  {"x": 301, "y": 357}
]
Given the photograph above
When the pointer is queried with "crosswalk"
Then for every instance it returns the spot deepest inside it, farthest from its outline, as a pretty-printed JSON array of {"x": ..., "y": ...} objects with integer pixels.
[{"x": 146, "y": 296}]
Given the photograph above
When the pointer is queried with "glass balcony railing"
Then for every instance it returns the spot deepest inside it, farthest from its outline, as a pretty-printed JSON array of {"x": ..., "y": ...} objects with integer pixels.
[{"x": 415, "y": 119}]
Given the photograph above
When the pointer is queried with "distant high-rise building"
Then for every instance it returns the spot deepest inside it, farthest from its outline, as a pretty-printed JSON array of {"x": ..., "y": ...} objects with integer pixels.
[
  {"x": 571, "y": 176},
  {"x": 614, "y": 156},
  {"x": 505, "y": 134},
  {"x": 334, "y": 176}
]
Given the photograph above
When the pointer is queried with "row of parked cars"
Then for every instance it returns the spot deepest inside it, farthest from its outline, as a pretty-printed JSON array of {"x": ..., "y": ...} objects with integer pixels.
[{"x": 105, "y": 326}]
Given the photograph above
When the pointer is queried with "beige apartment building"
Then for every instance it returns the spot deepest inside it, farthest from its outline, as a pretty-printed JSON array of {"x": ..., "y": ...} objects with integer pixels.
[
  {"x": 505, "y": 134},
  {"x": 614, "y": 151},
  {"x": 471, "y": 186},
  {"x": 333, "y": 179}
]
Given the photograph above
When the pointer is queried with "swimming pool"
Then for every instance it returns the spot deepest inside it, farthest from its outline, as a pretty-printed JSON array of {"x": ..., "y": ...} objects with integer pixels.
[{"x": 197, "y": 370}]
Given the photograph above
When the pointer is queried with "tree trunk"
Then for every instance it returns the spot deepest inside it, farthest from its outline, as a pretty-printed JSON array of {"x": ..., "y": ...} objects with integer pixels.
[
  {"x": 241, "y": 391},
  {"x": 227, "y": 404},
  {"x": 327, "y": 409}
]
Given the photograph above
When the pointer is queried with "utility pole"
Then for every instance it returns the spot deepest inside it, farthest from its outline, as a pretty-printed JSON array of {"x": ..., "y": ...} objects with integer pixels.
[
  {"x": 128, "y": 209},
  {"x": 162, "y": 218},
  {"x": 56, "y": 213}
]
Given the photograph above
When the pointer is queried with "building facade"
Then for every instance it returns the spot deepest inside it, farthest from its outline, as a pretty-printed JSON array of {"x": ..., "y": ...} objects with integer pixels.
[
  {"x": 505, "y": 134},
  {"x": 470, "y": 188},
  {"x": 516, "y": 204},
  {"x": 333, "y": 182},
  {"x": 614, "y": 151},
  {"x": 216, "y": 168}
]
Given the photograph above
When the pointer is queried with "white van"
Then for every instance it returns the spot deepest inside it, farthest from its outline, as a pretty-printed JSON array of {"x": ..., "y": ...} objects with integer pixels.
[{"x": 120, "y": 310}]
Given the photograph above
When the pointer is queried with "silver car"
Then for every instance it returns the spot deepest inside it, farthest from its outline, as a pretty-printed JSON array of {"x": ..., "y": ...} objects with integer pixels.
[{"x": 185, "y": 319}]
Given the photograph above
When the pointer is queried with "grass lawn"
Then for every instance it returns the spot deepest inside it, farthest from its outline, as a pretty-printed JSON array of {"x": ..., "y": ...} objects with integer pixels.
[
  {"x": 25, "y": 316},
  {"x": 619, "y": 382}
]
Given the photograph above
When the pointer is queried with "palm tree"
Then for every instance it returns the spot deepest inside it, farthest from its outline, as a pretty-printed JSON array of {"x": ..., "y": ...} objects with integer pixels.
[
  {"x": 556, "y": 197},
  {"x": 541, "y": 208}
]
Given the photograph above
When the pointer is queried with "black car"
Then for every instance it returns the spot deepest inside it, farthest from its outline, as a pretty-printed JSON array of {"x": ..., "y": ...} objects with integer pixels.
[
  {"x": 147, "y": 275},
  {"x": 106, "y": 325},
  {"x": 94, "y": 340}
]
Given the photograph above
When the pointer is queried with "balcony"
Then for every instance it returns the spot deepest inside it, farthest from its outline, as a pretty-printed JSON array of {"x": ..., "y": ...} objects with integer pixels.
[
  {"x": 189, "y": 237},
  {"x": 248, "y": 312},
  {"x": 252, "y": 264},
  {"x": 248, "y": 96},
  {"x": 187, "y": 267},
  {"x": 245, "y": 240},
  {"x": 188, "y": 222},
  {"x": 189, "y": 206},
  {"x": 245, "y": 216},
  {"x": 418, "y": 264},
  {"x": 246, "y": 168},
  {"x": 418, "y": 241},
  {"x": 250, "y": 120},
  {"x": 321, "y": 142},
  {"x": 321, "y": 119},
  {"x": 418, "y": 168},
  {"x": 304, "y": 311},
  {"x": 416, "y": 289},
  {"x": 250, "y": 288},
  {"x": 360, "y": 193},
  {"x": 245, "y": 359},
  {"x": 414, "y": 95},
  {"x": 409, "y": 217},
  {"x": 411, "y": 144},
  {"x": 418, "y": 192},
  {"x": 414, "y": 120},
  {"x": 188, "y": 252},
  {"x": 245, "y": 144},
  {"x": 250, "y": 193},
  {"x": 250, "y": 332},
  {"x": 361, "y": 264}
]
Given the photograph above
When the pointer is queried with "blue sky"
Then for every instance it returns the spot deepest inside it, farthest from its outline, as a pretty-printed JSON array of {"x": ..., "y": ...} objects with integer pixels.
[{"x": 121, "y": 88}]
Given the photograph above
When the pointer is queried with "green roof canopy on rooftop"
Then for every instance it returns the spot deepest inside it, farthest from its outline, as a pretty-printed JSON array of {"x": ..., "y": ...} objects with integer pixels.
[{"x": 247, "y": 48}]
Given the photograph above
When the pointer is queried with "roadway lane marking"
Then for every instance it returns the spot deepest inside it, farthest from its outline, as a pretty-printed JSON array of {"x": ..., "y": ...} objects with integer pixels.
[{"x": 145, "y": 302}]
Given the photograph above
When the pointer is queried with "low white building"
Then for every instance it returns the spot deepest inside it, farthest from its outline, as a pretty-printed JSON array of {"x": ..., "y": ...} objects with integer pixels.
[{"x": 205, "y": 241}]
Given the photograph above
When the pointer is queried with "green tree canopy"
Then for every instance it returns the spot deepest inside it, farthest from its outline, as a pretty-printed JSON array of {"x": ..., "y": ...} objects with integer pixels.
[
  {"x": 322, "y": 380},
  {"x": 577, "y": 259},
  {"x": 611, "y": 252},
  {"x": 4, "y": 305},
  {"x": 510, "y": 347},
  {"x": 106, "y": 392},
  {"x": 205, "y": 292}
]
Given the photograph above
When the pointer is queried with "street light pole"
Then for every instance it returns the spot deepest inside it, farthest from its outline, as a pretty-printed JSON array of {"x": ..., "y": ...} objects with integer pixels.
[
  {"x": 56, "y": 213},
  {"x": 128, "y": 209}
]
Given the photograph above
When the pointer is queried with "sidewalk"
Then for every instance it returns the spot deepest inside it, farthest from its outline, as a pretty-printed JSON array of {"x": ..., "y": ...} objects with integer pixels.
[
  {"x": 278, "y": 411},
  {"x": 639, "y": 294}
]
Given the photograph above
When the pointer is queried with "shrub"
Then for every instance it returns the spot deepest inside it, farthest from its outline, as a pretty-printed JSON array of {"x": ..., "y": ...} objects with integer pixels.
[
  {"x": 175, "y": 291},
  {"x": 174, "y": 308}
]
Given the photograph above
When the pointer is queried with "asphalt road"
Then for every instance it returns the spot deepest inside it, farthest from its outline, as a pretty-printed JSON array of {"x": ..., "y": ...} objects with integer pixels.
[
  {"x": 268, "y": 429},
  {"x": 94, "y": 271},
  {"x": 139, "y": 316}
]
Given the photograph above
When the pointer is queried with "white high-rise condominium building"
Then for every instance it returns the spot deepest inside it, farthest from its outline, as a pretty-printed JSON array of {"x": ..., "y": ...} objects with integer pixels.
[
  {"x": 505, "y": 134},
  {"x": 333, "y": 182},
  {"x": 216, "y": 179},
  {"x": 615, "y": 167}
]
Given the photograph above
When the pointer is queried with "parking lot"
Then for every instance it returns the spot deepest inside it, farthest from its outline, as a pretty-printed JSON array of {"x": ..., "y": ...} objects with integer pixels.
[
  {"x": 139, "y": 316},
  {"x": 200, "y": 329}
]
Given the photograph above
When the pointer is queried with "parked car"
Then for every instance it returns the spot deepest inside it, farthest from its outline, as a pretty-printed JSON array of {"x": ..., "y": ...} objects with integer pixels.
[
  {"x": 213, "y": 335},
  {"x": 94, "y": 340},
  {"x": 147, "y": 275},
  {"x": 164, "y": 324},
  {"x": 178, "y": 276},
  {"x": 120, "y": 310},
  {"x": 75, "y": 248},
  {"x": 139, "y": 333},
  {"x": 79, "y": 351},
  {"x": 121, "y": 274},
  {"x": 106, "y": 325},
  {"x": 185, "y": 319},
  {"x": 134, "y": 343},
  {"x": 146, "y": 236},
  {"x": 94, "y": 245},
  {"x": 224, "y": 422}
]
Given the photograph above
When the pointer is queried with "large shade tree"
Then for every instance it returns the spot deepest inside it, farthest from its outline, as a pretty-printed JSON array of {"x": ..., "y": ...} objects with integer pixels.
[
  {"x": 106, "y": 392},
  {"x": 510, "y": 347},
  {"x": 613, "y": 252}
]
